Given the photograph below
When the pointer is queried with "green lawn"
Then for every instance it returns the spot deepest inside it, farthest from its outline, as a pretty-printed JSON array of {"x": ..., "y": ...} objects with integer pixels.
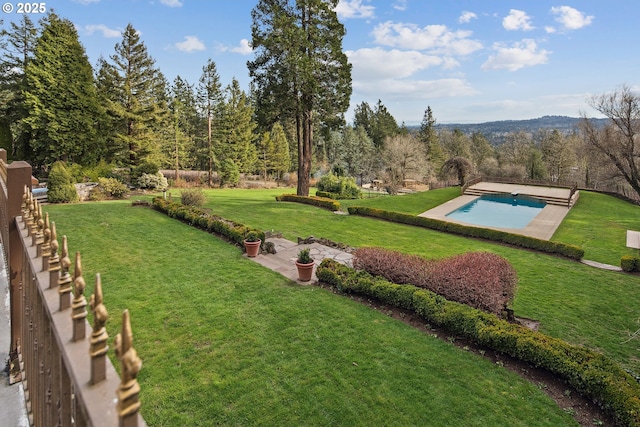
[
  {"x": 227, "y": 342},
  {"x": 575, "y": 302},
  {"x": 599, "y": 223}
]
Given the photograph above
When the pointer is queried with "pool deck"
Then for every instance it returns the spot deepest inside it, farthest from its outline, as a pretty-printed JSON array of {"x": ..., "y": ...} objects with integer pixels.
[{"x": 541, "y": 227}]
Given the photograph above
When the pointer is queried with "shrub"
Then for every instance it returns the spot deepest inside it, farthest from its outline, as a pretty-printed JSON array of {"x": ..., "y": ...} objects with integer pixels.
[
  {"x": 590, "y": 373},
  {"x": 343, "y": 187},
  {"x": 321, "y": 202},
  {"x": 146, "y": 167},
  {"x": 192, "y": 197},
  {"x": 155, "y": 181},
  {"x": 569, "y": 251},
  {"x": 60, "y": 188},
  {"x": 198, "y": 217},
  {"x": 481, "y": 280},
  {"x": 630, "y": 263},
  {"x": 112, "y": 187}
]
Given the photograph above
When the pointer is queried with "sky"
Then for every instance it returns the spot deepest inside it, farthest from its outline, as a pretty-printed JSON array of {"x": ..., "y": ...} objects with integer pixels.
[{"x": 470, "y": 61}]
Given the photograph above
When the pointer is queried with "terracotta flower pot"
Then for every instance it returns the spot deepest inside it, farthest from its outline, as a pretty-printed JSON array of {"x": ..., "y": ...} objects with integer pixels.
[
  {"x": 252, "y": 248},
  {"x": 305, "y": 271}
]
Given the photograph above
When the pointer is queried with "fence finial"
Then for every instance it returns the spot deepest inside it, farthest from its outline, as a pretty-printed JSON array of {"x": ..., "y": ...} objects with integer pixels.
[
  {"x": 54, "y": 259},
  {"x": 64, "y": 282},
  {"x": 99, "y": 347},
  {"x": 129, "y": 389},
  {"x": 78, "y": 307}
]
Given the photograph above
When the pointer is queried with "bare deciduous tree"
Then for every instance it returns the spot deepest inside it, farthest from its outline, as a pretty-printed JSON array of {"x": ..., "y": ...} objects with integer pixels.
[{"x": 617, "y": 140}]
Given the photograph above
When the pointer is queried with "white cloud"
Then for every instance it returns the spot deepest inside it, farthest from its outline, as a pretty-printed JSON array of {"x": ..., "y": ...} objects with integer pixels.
[
  {"x": 354, "y": 9},
  {"x": 466, "y": 17},
  {"x": 101, "y": 28},
  {"x": 437, "y": 38},
  {"x": 376, "y": 63},
  {"x": 521, "y": 54},
  {"x": 404, "y": 90},
  {"x": 517, "y": 20},
  {"x": 171, "y": 3},
  {"x": 570, "y": 18},
  {"x": 244, "y": 48},
  {"x": 190, "y": 44},
  {"x": 400, "y": 5}
]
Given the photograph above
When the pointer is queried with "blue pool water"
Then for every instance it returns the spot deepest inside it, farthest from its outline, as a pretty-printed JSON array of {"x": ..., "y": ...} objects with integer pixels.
[{"x": 503, "y": 210}]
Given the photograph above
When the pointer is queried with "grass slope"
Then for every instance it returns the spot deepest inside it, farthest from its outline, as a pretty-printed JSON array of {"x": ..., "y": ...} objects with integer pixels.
[{"x": 226, "y": 342}]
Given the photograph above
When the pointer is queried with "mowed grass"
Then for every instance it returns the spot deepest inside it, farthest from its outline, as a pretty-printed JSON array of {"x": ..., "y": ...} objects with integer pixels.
[
  {"x": 227, "y": 342},
  {"x": 572, "y": 301},
  {"x": 599, "y": 223}
]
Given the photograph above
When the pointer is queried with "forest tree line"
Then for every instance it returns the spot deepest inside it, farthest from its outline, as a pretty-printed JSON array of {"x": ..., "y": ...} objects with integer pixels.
[{"x": 124, "y": 113}]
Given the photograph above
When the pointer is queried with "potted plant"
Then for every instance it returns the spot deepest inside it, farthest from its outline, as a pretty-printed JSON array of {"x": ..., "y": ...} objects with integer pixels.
[
  {"x": 252, "y": 244},
  {"x": 305, "y": 264}
]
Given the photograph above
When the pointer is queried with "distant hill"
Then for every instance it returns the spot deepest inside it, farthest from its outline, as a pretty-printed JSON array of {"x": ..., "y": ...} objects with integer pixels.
[{"x": 496, "y": 131}]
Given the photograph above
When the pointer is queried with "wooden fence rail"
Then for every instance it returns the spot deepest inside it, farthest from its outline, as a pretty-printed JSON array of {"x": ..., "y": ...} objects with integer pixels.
[{"x": 67, "y": 377}]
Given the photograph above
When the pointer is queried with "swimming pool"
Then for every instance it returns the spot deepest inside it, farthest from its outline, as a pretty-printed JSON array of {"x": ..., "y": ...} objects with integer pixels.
[{"x": 499, "y": 210}]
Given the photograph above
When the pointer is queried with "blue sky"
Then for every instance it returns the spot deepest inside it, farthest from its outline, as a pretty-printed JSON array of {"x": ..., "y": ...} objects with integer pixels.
[{"x": 470, "y": 61}]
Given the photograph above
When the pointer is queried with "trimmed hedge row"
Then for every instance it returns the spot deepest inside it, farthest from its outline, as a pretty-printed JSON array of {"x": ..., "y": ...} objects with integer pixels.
[
  {"x": 569, "y": 251},
  {"x": 630, "y": 263},
  {"x": 334, "y": 196},
  {"x": 200, "y": 218},
  {"x": 321, "y": 202},
  {"x": 591, "y": 374}
]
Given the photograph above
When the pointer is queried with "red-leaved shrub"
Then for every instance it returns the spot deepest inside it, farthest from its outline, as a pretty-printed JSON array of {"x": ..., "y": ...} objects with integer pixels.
[{"x": 482, "y": 280}]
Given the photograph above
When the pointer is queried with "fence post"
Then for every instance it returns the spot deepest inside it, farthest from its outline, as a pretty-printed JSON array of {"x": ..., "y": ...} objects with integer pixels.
[
  {"x": 18, "y": 176},
  {"x": 99, "y": 346},
  {"x": 129, "y": 389},
  {"x": 79, "y": 304}
]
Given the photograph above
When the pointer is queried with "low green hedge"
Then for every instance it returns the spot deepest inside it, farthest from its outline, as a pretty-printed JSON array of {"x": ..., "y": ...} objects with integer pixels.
[
  {"x": 200, "y": 218},
  {"x": 569, "y": 251},
  {"x": 590, "y": 373},
  {"x": 321, "y": 202},
  {"x": 630, "y": 263},
  {"x": 335, "y": 196}
]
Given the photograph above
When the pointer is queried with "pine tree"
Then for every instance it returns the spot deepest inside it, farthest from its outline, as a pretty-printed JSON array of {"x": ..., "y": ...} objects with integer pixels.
[
  {"x": 185, "y": 123},
  {"x": 300, "y": 72},
  {"x": 137, "y": 99},
  {"x": 210, "y": 99},
  {"x": 238, "y": 125},
  {"x": 429, "y": 138},
  {"x": 17, "y": 47},
  {"x": 61, "y": 98},
  {"x": 281, "y": 160}
]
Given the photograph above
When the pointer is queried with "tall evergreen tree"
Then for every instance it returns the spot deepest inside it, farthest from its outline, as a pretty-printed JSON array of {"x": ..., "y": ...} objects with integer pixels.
[
  {"x": 377, "y": 122},
  {"x": 281, "y": 161},
  {"x": 210, "y": 99},
  {"x": 300, "y": 72},
  {"x": 61, "y": 98},
  {"x": 185, "y": 123},
  {"x": 238, "y": 125},
  {"x": 137, "y": 99},
  {"x": 17, "y": 47}
]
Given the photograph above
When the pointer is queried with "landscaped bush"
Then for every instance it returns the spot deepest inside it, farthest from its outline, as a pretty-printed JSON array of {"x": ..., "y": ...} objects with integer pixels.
[
  {"x": 630, "y": 263},
  {"x": 155, "y": 181},
  {"x": 341, "y": 186},
  {"x": 192, "y": 197},
  {"x": 482, "y": 280},
  {"x": 60, "y": 188},
  {"x": 200, "y": 218},
  {"x": 569, "y": 251},
  {"x": 321, "y": 202},
  {"x": 111, "y": 187},
  {"x": 592, "y": 374}
]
